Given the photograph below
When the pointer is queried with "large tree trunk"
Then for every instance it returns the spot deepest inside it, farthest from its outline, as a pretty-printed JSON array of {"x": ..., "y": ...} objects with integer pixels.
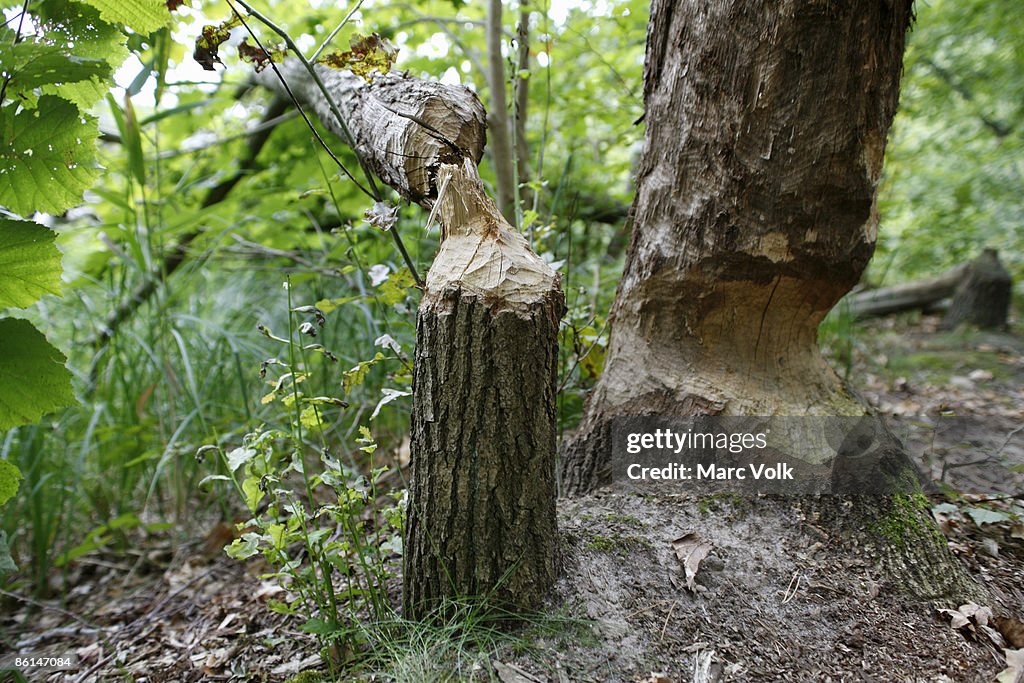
[
  {"x": 481, "y": 511},
  {"x": 755, "y": 213}
]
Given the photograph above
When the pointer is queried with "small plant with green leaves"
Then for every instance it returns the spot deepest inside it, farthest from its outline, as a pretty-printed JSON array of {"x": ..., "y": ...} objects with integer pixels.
[{"x": 324, "y": 525}]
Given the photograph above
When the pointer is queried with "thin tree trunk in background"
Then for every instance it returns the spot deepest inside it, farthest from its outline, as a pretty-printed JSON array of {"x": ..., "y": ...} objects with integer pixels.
[
  {"x": 755, "y": 213},
  {"x": 522, "y": 99},
  {"x": 497, "y": 117}
]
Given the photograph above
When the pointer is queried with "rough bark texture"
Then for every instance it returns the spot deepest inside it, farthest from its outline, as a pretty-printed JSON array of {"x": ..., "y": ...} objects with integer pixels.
[
  {"x": 481, "y": 516},
  {"x": 755, "y": 213},
  {"x": 983, "y": 297},
  {"x": 403, "y": 127}
]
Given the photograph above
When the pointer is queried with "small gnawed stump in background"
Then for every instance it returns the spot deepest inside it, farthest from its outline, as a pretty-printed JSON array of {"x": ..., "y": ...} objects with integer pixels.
[
  {"x": 983, "y": 297},
  {"x": 481, "y": 515}
]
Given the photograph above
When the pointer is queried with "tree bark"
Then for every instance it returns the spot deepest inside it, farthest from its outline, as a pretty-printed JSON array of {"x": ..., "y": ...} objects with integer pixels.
[
  {"x": 755, "y": 213},
  {"x": 404, "y": 128},
  {"x": 983, "y": 297},
  {"x": 481, "y": 515}
]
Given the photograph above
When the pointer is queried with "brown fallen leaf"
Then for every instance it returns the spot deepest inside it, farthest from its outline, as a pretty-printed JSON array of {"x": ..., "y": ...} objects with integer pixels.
[
  {"x": 658, "y": 677},
  {"x": 691, "y": 549},
  {"x": 977, "y": 620}
]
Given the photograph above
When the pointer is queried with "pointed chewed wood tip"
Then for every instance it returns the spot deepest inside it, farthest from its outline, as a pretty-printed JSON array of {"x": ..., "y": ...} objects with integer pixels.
[{"x": 480, "y": 251}]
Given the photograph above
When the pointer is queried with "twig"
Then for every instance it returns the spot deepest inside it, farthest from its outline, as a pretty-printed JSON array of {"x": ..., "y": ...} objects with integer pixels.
[{"x": 52, "y": 608}]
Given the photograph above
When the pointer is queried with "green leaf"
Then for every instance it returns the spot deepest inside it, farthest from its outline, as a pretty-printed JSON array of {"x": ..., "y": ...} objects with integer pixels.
[
  {"x": 6, "y": 562},
  {"x": 10, "y": 475},
  {"x": 357, "y": 375},
  {"x": 142, "y": 16},
  {"x": 252, "y": 492},
  {"x": 33, "y": 379},
  {"x": 319, "y": 627},
  {"x": 85, "y": 35},
  {"x": 29, "y": 263},
  {"x": 310, "y": 419},
  {"x": 244, "y": 547},
  {"x": 393, "y": 289},
  {"x": 47, "y": 156},
  {"x": 32, "y": 65}
]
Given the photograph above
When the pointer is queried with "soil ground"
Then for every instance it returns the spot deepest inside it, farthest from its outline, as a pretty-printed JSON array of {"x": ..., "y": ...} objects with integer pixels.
[{"x": 776, "y": 598}]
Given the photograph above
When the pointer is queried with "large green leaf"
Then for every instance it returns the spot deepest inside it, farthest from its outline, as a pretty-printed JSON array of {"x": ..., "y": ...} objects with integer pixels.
[
  {"x": 35, "y": 64},
  {"x": 79, "y": 29},
  {"x": 9, "y": 478},
  {"x": 142, "y": 16},
  {"x": 47, "y": 156},
  {"x": 33, "y": 379},
  {"x": 29, "y": 263}
]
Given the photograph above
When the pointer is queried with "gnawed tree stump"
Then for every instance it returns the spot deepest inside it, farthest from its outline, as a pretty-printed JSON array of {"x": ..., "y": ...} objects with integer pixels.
[
  {"x": 983, "y": 296},
  {"x": 980, "y": 291},
  {"x": 481, "y": 511},
  {"x": 481, "y": 515}
]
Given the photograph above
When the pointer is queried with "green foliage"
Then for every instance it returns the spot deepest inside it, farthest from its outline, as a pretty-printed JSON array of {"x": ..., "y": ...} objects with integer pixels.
[
  {"x": 953, "y": 174},
  {"x": 32, "y": 375},
  {"x": 9, "y": 478},
  {"x": 143, "y": 16},
  {"x": 317, "y": 521},
  {"x": 29, "y": 263},
  {"x": 47, "y": 156},
  {"x": 47, "y": 161}
]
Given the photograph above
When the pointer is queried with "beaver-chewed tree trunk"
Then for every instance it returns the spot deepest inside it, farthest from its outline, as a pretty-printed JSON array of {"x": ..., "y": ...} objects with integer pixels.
[
  {"x": 983, "y": 296},
  {"x": 481, "y": 514},
  {"x": 755, "y": 213},
  {"x": 481, "y": 506}
]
